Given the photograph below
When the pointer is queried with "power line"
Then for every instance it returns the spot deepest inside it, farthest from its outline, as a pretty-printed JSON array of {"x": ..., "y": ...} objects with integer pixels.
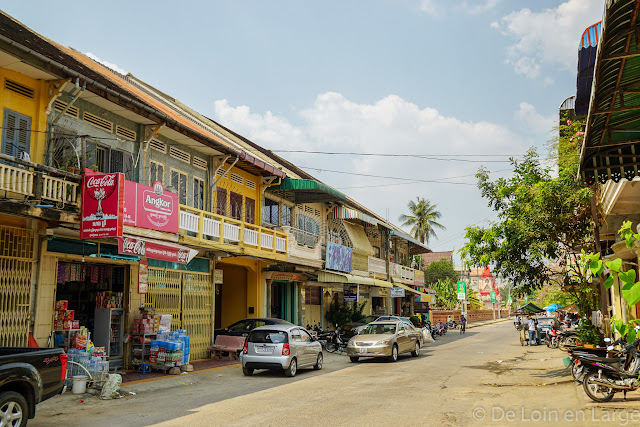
[
  {"x": 440, "y": 157},
  {"x": 417, "y": 182},
  {"x": 384, "y": 177}
]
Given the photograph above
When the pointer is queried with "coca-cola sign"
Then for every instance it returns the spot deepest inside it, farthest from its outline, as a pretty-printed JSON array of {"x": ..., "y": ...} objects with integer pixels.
[
  {"x": 102, "y": 205},
  {"x": 155, "y": 249},
  {"x": 151, "y": 207}
]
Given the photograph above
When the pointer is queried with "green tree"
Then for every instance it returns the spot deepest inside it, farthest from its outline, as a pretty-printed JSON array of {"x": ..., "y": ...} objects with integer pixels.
[
  {"x": 473, "y": 300},
  {"x": 440, "y": 270},
  {"x": 446, "y": 293},
  {"x": 542, "y": 221},
  {"x": 423, "y": 219}
]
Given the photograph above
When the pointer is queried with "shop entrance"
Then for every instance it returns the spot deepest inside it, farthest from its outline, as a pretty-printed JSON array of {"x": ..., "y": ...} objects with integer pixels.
[
  {"x": 283, "y": 301},
  {"x": 91, "y": 296},
  {"x": 187, "y": 297}
]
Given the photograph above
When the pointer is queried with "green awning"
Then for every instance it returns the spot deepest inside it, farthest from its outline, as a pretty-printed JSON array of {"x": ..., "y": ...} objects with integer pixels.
[
  {"x": 611, "y": 147},
  {"x": 306, "y": 191},
  {"x": 529, "y": 308}
]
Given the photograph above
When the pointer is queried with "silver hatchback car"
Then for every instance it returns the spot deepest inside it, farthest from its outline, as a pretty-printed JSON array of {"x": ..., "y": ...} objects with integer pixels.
[{"x": 281, "y": 347}]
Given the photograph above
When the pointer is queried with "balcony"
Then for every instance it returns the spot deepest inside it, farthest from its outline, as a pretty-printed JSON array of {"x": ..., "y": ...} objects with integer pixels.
[
  {"x": 33, "y": 181},
  {"x": 208, "y": 228},
  {"x": 377, "y": 266},
  {"x": 402, "y": 273}
]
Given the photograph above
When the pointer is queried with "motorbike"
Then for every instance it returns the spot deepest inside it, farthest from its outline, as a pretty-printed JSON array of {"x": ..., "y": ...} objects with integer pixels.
[
  {"x": 452, "y": 324},
  {"x": 607, "y": 376},
  {"x": 552, "y": 337},
  {"x": 568, "y": 338},
  {"x": 336, "y": 343},
  {"x": 577, "y": 355}
]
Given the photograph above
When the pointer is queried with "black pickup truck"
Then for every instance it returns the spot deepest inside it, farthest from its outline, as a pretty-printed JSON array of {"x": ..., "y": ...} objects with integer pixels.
[{"x": 28, "y": 376}]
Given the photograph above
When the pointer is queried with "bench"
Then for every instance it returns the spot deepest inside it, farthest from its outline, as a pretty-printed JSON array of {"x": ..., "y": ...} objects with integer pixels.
[{"x": 229, "y": 344}]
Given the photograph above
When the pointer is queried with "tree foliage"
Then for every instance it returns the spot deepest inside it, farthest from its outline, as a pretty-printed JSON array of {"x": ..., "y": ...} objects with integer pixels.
[
  {"x": 542, "y": 221},
  {"x": 423, "y": 219},
  {"x": 446, "y": 293},
  {"x": 441, "y": 270}
]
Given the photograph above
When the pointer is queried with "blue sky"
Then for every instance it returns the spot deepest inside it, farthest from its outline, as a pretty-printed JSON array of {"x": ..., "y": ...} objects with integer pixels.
[{"x": 443, "y": 77}]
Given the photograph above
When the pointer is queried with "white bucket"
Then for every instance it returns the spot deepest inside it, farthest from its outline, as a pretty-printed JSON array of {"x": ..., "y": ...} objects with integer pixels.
[{"x": 79, "y": 384}]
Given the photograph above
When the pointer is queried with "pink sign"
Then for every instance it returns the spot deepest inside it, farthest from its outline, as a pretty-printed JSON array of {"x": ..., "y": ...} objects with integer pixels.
[
  {"x": 151, "y": 207},
  {"x": 155, "y": 250},
  {"x": 102, "y": 205}
]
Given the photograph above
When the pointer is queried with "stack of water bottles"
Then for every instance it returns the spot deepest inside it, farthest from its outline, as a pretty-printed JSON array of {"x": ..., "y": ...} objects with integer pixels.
[
  {"x": 170, "y": 349},
  {"x": 96, "y": 364}
]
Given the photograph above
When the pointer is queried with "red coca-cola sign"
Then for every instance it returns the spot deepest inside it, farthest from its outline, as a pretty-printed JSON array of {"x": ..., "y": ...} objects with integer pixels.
[
  {"x": 102, "y": 205},
  {"x": 151, "y": 207},
  {"x": 156, "y": 250}
]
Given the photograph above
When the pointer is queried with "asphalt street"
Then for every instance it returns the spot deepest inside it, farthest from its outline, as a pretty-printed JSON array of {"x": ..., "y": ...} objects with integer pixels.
[{"x": 481, "y": 378}]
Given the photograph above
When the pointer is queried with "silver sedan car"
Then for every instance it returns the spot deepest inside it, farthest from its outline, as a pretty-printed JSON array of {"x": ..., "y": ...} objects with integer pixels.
[
  {"x": 385, "y": 339},
  {"x": 281, "y": 347}
]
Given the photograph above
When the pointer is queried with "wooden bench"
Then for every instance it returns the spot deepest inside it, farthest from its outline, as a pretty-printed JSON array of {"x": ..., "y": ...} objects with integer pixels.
[{"x": 229, "y": 344}]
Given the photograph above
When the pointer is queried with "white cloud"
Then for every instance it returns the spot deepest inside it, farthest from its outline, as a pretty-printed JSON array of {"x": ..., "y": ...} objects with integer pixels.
[
  {"x": 390, "y": 125},
  {"x": 549, "y": 37},
  {"x": 534, "y": 121},
  {"x": 107, "y": 64}
]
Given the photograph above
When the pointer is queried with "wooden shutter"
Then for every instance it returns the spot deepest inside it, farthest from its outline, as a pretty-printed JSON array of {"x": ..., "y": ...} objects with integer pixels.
[
  {"x": 221, "y": 201},
  {"x": 16, "y": 133},
  {"x": 250, "y": 210},
  {"x": 235, "y": 200}
]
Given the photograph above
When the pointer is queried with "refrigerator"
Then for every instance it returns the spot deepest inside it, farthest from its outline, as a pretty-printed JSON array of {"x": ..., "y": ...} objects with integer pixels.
[{"x": 108, "y": 333}]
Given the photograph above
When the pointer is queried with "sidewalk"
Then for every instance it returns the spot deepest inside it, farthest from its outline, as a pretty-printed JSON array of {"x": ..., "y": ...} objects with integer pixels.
[
  {"x": 134, "y": 377},
  {"x": 486, "y": 322}
]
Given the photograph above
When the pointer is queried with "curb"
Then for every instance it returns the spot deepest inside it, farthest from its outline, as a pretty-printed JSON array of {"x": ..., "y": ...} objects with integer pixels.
[{"x": 484, "y": 323}]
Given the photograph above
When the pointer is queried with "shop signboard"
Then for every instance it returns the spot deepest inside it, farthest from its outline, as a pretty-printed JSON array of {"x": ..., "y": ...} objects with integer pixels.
[
  {"x": 462, "y": 290},
  {"x": 397, "y": 292},
  {"x": 102, "y": 205},
  {"x": 350, "y": 294},
  {"x": 291, "y": 277},
  {"x": 338, "y": 257},
  {"x": 143, "y": 276},
  {"x": 418, "y": 278},
  {"x": 217, "y": 276},
  {"x": 156, "y": 250},
  {"x": 153, "y": 207}
]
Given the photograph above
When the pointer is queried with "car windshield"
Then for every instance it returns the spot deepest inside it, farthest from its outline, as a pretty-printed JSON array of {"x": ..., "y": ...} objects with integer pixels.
[
  {"x": 264, "y": 336},
  {"x": 241, "y": 326},
  {"x": 378, "y": 329}
]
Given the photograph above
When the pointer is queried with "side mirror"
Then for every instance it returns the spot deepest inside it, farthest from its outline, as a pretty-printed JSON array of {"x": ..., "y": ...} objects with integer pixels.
[{"x": 607, "y": 339}]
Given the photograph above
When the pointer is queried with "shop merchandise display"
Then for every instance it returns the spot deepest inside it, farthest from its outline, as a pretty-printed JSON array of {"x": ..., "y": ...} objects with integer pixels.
[
  {"x": 93, "y": 360},
  {"x": 109, "y": 299},
  {"x": 170, "y": 349}
]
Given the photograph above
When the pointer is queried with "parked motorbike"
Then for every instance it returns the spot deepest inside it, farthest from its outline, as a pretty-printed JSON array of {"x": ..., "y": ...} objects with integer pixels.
[
  {"x": 576, "y": 356},
  {"x": 552, "y": 337},
  {"x": 452, "y": 324},
  {"x": 606, "y": 376},
  {"x": 568, "y": 338},
  {"x": 336, "y": 343}
]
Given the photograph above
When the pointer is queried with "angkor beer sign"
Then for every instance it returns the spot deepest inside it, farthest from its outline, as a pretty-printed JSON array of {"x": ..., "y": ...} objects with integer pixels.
[
  {"x": 155, "y": 250},
  {"x": 102, "y": 204},
  {"x": 151, "y": 207}
]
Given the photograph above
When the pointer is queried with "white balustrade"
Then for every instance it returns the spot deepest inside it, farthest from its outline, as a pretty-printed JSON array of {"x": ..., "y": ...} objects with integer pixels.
[
  {"x": 281, "y": 244},
  {"x": 250, "y": 237},
  {"x": 189, "y": 221},
  {"x": 266, "y": 240},
  {"x": 16, "y": 180},
  {"x": 59, "y": 190},
  {"x": 231, "y": 232},
  {"x": 211, "y": 227},
  {"x": 377, "y": 265}
]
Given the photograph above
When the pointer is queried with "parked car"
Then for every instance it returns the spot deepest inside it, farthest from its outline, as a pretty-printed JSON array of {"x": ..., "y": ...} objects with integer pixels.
[
  {"x": 385, "y": 339},
  {"x": 244, "y": 326},
  {"x": 281, "y": 347},
  {"x": 28, "y": 376},
  {"x": 353, "y": 328},
  {"x": 393, "y": 318}
]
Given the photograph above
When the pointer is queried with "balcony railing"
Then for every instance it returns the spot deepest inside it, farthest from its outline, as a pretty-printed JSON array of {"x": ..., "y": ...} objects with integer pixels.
[
  {"x": 401, "y": 272},
  {"x": 37, "y": 181},
  {"x": 302, "y": 237},
  {"x": 223, "y": 229}
]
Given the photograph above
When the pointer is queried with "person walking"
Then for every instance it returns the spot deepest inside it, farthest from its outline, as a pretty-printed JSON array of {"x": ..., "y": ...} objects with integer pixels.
[
  {"x": 463, "y": 324},
  {"x": 533, "y": 340}
]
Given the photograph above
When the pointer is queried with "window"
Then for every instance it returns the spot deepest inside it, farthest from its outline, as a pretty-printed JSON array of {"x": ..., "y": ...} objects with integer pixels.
[
  {"x": 295, "y": 335},
  {"x": 16, "y": 134},
  {"x": 221, "y": 201},
  {"x": 102, "y": 159},
  {"x": 305, "y": 336},
  {"x": 121, "y": 161},
  {"x": 286, "y": 215},
  {"x": 270, "y": 212},
  {"x": 249, "y": 210},
  {"x": 235, "y": 203},
  {"x": 198, "y": 193},
  {"x": 376, "y": 251},
  {"x": 308, "y": 224},
  {"x": 179, "y": 184},
  {"x": 156, "y": 172}
]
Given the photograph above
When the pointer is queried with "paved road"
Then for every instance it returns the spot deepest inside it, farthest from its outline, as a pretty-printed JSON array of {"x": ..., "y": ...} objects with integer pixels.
[{"x": 477, "y": 378}]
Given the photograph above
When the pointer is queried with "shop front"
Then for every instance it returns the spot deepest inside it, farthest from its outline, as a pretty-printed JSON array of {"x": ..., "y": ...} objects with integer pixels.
[{"x": 289, "y": 297}]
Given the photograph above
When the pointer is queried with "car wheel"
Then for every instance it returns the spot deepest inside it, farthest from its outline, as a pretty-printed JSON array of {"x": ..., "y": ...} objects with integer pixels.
[
  {"x": 354, "y": 359},
  {"x": 318, "y": 364},
  {"x": 247, "y": 372},
  {"x": 292, "y": 369},
  {"x": 394, "y": 353},
  {"x": 416, "y": 350},
  {"x": 14, "y": 411}
]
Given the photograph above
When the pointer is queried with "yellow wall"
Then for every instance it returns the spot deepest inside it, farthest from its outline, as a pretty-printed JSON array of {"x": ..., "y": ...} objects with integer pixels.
[
  {"x": 34, "y": 108},
  {"x": 241, "y": 288},
  {"x": 245, "y": 191},
  {"x": 45, "y": 299}
]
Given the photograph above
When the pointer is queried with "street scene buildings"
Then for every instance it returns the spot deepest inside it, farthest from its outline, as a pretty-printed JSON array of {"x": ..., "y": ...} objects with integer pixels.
[{"x": 156, "y": 255}]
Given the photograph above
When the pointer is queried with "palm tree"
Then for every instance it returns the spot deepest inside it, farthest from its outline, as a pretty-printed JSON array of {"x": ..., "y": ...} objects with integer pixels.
[{"x": 423, "y": 219}]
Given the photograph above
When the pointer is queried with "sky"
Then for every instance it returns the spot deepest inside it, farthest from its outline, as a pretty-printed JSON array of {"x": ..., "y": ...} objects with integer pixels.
[{"x": 445, "y": 86}]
